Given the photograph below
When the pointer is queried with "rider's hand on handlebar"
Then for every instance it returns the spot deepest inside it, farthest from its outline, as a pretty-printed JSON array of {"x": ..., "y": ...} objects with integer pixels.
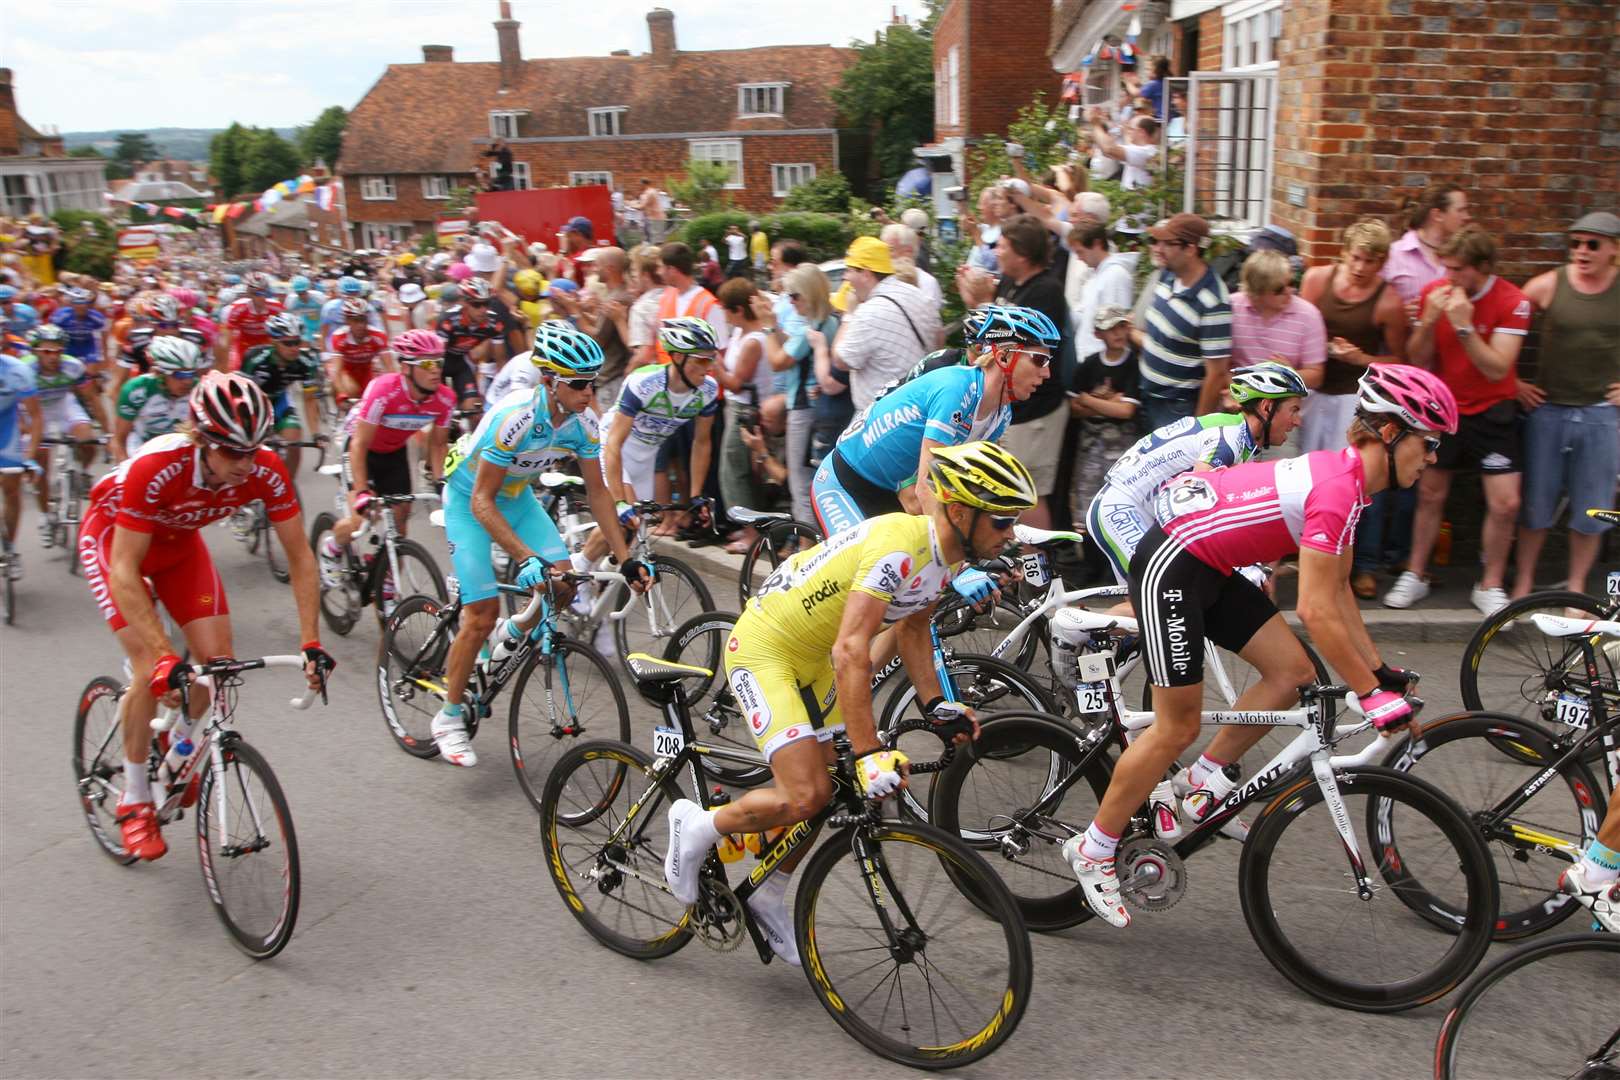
[
  {"x": 168, "y": 675},
  {"x": 638, "y": 575},
  {"x": 627, "y": 514},
  {"x": 880, "y": 773},
  {"x": 1397, "y": 679},
  {"x": 1388, "y": 711},
  {"x": 953, "y": 720},
  {"x": 532, "y": 573},
  {"x": 978, "y": 588},
  {"x": 318, "y": 664}
]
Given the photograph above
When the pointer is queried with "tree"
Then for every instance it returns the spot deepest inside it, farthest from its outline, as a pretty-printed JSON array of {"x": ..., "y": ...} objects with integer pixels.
[
  {"x": 267, "y": 159},
  {"x": 114, "y": 170},
  {"x": 323, "y": 139},
  {"x": 889, "y": 90},
  {"x": 826, "y": 194},
  {"x": 134, "y": 146},
  {"x": 225, "y": 156},
  {"x": 704, "y": 189}
]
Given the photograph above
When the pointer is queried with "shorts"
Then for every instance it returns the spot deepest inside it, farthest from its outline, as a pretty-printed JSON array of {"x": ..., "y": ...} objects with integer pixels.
[
  {"x": 842, "y": 498},
  {"x": 177, "y": 567},
  {"x": 1488, "y": 441},
  {"x": 469, "y": 540},
  {"x": 63, "y": 415},
  {"x": 360, "y": 374},
  {"x": 1116, "y": 523},
  {"x": 285, "y": 412},
  {"x": 638, "y": 466},
  {"x": 387, "y": 474},
  {"x": 783, "y": 701},
  {"x": 1038, "y": 443},
  {"x": 459, "y": 373},
  {"x": 1573, "y": 450},
  {"x": 11, "y": 438},
  {"x": 1176, "y": 595}
]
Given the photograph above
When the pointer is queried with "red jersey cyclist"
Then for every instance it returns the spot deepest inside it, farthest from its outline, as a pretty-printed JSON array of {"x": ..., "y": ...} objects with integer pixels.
[
  {"x": 140, "y": 537},
  {"x": 355, "y": 353},
  {"x": 245, "y": 317},
  {"x": 1182, "y": 575}
]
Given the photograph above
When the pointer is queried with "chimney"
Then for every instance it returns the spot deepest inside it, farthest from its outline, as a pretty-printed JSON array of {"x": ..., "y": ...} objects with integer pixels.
[
  {"x": 661, "y": 28},
  {"x": 438, "y": 54},
  {"x": 506, "y": 34},
  {"x": 7, "y": 102}
]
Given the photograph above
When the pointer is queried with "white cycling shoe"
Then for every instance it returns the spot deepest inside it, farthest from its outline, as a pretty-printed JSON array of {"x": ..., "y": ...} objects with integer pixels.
[
  {"x": 1602, "y": 900},
  {"x": 450, "y": 736},
  {"x": 1198, "y": 799},
  {"x": 691, "y": 836},
  {"x": 771, "y": 913},
  {"x": 329, "y": 559},
  {"x": 1098, "y": 883}
]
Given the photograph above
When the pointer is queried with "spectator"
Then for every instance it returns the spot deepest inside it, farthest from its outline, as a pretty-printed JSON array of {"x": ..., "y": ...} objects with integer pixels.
[
  {"x": 1472, "y": 327},
  {"x": 915, "y": 218},
  {"x": 1087, "y": 208},
  {"x": 642, "y": 323},
  {"x": 1572, "y": 435},
  {"x": 736, "y": 252},
  {"x": 606, "y": 316},
  {"x": 501, "y": 177},
  {"x": 746, "y": 375},
  {"x": 759, "y": 248},
  {"x": 575, "y": 240},
  {"x": 1270, "y": 322},
  {"x": 683, "y": 296},
  {"x": 651, "y": 204},
  {"x": 902, "y": 241},
  {"x": 1110, "y": 280},
  {"x": 1432, "y": 218},
  {"x": 1138, "y": 152},
  {"x": 993, "y": 209},
  {"x": 790, "y": 353},
  {"x": 1187, "y": 346},
  {"x": 1155, "y": 89},
  {"x": 1103, "y": 399},
  {"x": 888, "y": 325},
  {"x": 1176, "y": 129}
]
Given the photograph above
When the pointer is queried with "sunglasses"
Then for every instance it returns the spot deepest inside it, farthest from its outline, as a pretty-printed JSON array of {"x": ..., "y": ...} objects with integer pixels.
[
  {"x": 1585, "y": 245},
  {"x": 701, "y": 358},
  {"x": 166, "y": 325},
  {"x": 577, "y": 384},
  {"x": 426, "y": 365},
  {"x": 1002, "y": 523},
  {"x": 183, "y": 376},
  {"x": 476, "y": 303},
  {"x": 1039, "y": 359},
  {"x": 1431, "y": 444}
]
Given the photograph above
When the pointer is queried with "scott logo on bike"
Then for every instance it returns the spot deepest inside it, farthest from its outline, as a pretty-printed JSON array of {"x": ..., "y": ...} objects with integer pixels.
[{"x": 827, "y": 591}]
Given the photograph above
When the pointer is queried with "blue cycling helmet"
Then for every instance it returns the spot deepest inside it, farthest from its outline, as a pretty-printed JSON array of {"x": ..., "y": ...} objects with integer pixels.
[
  {"x": 999, "y": 324},
  {"x": 350, "y": 286},
  {"x": 7, "y": 292},
  {"x": 233, "y": 279},
  {"x": 563, "y": 349},
  {"x": 300, "y": 284}
]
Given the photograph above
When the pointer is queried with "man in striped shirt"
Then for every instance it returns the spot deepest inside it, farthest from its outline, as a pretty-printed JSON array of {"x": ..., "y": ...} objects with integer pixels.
[{"x": 1187, "y": 343}]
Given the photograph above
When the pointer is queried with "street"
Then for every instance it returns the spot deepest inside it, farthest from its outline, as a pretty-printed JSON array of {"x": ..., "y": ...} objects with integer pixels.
[{"x": 431, "y": 941}]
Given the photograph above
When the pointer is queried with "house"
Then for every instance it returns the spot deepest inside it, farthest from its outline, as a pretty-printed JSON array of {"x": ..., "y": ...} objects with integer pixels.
[
  {"x": 36, "y": 175},
  {"x": 191, "y": 173},
  {"x": 296, "y": 226},
  {"x": 982, "y": 69},
  {"x": 423, "y": 129}
]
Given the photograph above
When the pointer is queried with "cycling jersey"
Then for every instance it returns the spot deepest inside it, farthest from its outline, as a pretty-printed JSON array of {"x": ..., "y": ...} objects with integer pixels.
[
  {"x": 16, "y": 383},
  {"x": 462, "y": 334},
  {"x": 83, "y": 331},
  {"x": 518, "y": 373},
  {"x": 274, "y": 375},
  {"x": 247, "y": 323},
  {"x": 358, "y": 356},
  {"x": 883, "y": 442},
  {"x": 518, "y": 436},
  {"x": 58, "y": 393},
  {"x": 656, "y": 411},
  {"x": 146, "y": 404},
  {"x": 389, "y": 404},
  {"x": 133, "y": 355},
  {"x": 19, "y": 319},
  {"x": 307, "y": 306}
]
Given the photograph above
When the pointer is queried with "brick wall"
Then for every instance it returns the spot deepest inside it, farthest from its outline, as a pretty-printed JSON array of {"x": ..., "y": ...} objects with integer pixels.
[
  {"x": 408, "y": 203},
  {"x": 1003, "y": 73},
  {"x": 1210, "y": 28},
  {"x": 952, "y": 30}
]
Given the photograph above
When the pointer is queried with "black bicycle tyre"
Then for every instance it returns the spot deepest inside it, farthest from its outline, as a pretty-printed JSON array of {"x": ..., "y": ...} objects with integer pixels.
[
  {"x": 278, "y": 562},
  {"x": 952, "y": 620},
  {"x": 406, "y": 550},
  {"x": 260, "y": 947},
  {"x": 664, "y": 566},
  {"x": 966, "y": 864},
  {"x": 531, "y": 775},
  {"x": 716, "y": 626},
  {"x": 340, "y": 622},
  {"x": 106, "y": 832},
  {"x": 416, "y": 744},
  {"x": 1468, "y": 945},
  {"x": 765, "y": 546}
]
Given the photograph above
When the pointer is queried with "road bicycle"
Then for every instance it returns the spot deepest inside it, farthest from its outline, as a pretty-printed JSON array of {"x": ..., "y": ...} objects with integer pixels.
[
  {"x": 898, "y": 957},
  {"x": 71, "y": 483},
  {"x": 378, "y": 567},
  {"x": 10, "y": 564},
  {"x": 251, "y": 525},
  {"x": 564, "y": 688},
  {"x": 779, "y": 537},
  {"x": 1333, "y": 921},
  {"x": 245, "y": 837}
]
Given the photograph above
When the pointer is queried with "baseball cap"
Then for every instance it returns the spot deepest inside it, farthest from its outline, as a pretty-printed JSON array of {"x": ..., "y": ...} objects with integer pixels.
[
  {"x": 562, "y": 285},
  {"x": 869, "y": 253},
  {"x": 1598, "y": 222},
  {"x": 411, "y": 293},
  {"x": 1111, "y": 315},
  {"x": 1183, "y": 228},
  {"x": 582, "y": 225},
  {"x": 483, "y": 259}
]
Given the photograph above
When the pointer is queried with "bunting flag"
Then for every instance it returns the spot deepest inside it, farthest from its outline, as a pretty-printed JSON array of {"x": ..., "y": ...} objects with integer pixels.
[
  {"x": 236, "y": 210},
  {"x": 220, "y": 209},
  {"x": 326, "y": 196}
]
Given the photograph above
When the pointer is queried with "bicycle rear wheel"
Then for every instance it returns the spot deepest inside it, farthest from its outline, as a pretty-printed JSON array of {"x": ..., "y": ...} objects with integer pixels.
[
  {"x": 701, "y": 641},
  {"x": 249, "y": 851},
  {"x": 651, "y": 618},
  {"x": 558, "y": 699},
  {"x": 410, "y": 673},
  {"x": 905, "y": 963},
  {"x": 771, "y": 549},
  {"x": 98, "y": 763},
  {"x": 274, "y": 555},
  {"x": 340, "y": 605},
  {"x": 419, "y": 575},
  {"x": 1515, "y": 665}
]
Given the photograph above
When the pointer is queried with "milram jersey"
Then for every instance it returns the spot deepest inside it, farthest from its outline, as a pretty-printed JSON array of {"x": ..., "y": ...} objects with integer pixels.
[
  {"x": 518, "y": 436},
  {"x": 1216, "y": 440},
  {"x": 656, "y": 412},
  {"x": 894, "y": 557},
  {"x": 70, "y": 375},
  {"x": 145, "y": 403},
  {"x": 884, "y": 440}
]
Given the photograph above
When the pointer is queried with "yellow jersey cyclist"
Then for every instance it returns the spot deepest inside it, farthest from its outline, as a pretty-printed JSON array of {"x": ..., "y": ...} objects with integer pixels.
[{"x": 800, "y": 666}]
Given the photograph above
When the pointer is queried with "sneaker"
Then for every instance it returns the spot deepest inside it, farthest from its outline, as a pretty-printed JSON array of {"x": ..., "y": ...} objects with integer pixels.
[
  {"x": 1097, "y": 883},
  {"x": 1488, "y": 601},
  {"x": 1199, "y": 799},
  {"x": 1602, "y": 900},
  {"x": 584, "y": 598},
  {"x": 450, "y": 736},
  {"x": 687, "y": 848},
  {"x": 14, "y": 566},
  {"x": 772, "y": 916},
  {"x": 142, "y": 836},
  {"x": 47, "y": 531},
  {"x": 1407, "y": 590},
  {"x": 331, "y": 563}
]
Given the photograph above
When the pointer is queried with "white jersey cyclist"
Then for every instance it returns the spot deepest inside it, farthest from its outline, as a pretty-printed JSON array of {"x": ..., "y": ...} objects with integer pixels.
[
  {"x": 518, "y": 373},
  {"x": 660, "y": 399},
  {"x": 155, "y": 403},
  {"x": 58, "y": 389}
]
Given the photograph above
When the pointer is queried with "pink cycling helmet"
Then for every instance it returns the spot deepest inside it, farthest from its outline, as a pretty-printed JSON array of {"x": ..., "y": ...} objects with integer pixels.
[
  {"x": 460, "y": 272},
  {"x": 1417, "y": 398},
  {"x": 415, "y": 345}
]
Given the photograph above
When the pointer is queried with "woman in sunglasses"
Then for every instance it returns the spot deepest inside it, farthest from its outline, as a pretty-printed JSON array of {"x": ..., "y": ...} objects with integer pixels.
[{"x": 155, "y": 403}]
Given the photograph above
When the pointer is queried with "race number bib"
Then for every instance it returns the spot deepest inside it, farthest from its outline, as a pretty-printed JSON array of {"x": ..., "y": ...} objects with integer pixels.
[
  {"x": 1614, "y": 583},
  {"x": 1573, "y": 710},
  {"x": 667, "y": 742},
  {"x": 1091, "y": 697},
  {"x": 1187, "y": 495}
]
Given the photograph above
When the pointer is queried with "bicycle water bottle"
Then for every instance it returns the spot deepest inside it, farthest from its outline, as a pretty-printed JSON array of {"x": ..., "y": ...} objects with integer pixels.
[
  {"x": 180, "y": 745},
  {"x": 1162, "y": 808}
]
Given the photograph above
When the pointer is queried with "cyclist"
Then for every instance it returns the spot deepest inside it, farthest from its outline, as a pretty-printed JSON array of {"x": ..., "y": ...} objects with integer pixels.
[
  {"x": 278, "y": 367},
  {"x": 375, "y": 460},
  {"x": 141, "y": 538},
  {"x": 68, "y": 398},
  {"x": 152, "y": 404},
  {"x": 1122, "y": 510},
  {"x": 517, "y": 374},
  {"x": 244, "y": 319},
  {"x": 1595, "y": 880},
  {"x": 348, "y": 288},
  {"x": 306, "y": 302},
  {"x": 84, "y": 326},
  {"x": 1182, "y": 575},
  {"x": 874, "y": 467},
  {"x": 16, "y": 317},
  {"x": 799, "y": 659},
  {"x": 20, "y": 425},
  {"x": 355, "y": 351},
  {"x": 161, "y": 316},
  {"x": 467, "y": 329},
  {"x": 487, "y": 497}
]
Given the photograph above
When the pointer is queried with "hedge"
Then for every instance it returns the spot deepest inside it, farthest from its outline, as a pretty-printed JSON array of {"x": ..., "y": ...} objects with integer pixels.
[{"x": 825, "y": 236}]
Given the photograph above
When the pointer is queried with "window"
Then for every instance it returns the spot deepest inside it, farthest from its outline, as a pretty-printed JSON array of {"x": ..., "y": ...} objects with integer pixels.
[
  {"x": 377, "y": 234},
  {"x": 520, "y": 176},
  {"x": 1252, "y": 29},
  {"x": 953, "y": 85},
  {"x": 784, "y": 178},
  {"x": 726, "y": 151},
  {"x": 376, "y": 187},
  {"x": 580, "y": 179},
  {"x": 761, "y": 99},
  {"x": 606, "y": 122},
  {"x": 435, "y": 187},
  {"x": 503, "y": 125}
]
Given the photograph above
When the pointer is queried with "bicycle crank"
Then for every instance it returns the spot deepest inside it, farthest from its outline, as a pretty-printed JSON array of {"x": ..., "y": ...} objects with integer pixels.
[
  {"x": 718, "y": 922},
  {"x": 1152, "y": 876}
]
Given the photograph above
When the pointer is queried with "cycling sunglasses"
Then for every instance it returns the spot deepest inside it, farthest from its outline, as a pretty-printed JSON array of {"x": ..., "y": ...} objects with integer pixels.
[
  {"x": 476, "y": 303},
  {"x": 166, "y": 325},
  {"x": 1431, "y": 444},
  {"x": 183, "y": 376},
  {"x": 426, "y": 364},
  {"x": 1001, "y": 523},
  {"x": 577, "y": 384},
  {"x": 1039, "y": 359},
  {"x": 232, "y": 452}
]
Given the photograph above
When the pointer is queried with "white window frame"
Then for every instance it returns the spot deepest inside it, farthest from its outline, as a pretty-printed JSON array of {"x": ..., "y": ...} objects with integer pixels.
[
  {"x": 953, "y": 86},
  {"x": 789, "y": 175},
  {"x": 379, "y": 234},
  {"x": 723, "y": 150},
  {"x": 436, "y": 187},
  {"x": 1236, "y": 177},
  {"x": 606, "y": 122},
  {"x": 590, "y": 176},
  {"x": 378, "y": 188},
  {"x": 503, "y": 125},
  {"x": 520, "y": 176},
  {"x": 1247, "y": 39},
  {"x": 756, "y": 99}
]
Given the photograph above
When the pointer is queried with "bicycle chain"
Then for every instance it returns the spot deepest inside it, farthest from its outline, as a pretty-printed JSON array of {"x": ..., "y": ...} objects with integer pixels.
[{"x": 718, "y": 921}]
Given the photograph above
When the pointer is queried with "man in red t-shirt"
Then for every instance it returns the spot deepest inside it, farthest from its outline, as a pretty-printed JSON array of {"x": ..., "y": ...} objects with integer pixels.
[{"x": 1472, "y": 326}]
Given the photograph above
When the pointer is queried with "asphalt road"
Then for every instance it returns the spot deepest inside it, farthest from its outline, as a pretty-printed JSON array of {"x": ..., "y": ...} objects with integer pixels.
[{"x": 431, "y": 941}]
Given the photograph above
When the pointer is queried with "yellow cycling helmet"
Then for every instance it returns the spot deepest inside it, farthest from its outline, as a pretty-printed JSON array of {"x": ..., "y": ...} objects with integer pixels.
[
  {"x": 528, "y": 282},
  {"x": 982, "y": 475}
]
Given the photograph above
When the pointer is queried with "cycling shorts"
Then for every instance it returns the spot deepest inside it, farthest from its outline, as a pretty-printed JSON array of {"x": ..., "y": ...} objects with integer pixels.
[
  {"x": 1180, "y": 600},
  {"x": 1117, "y": 523},
  {"x": 177, "y": 567},
  {"x": 469, "y": 540},
  {"x": 63, "y": 415},
  {"x": 782, "y": 701},
  {"x": 285, "y": 411},
  {"x": 386, "y": 474},
  {"x": 638, "y": 467},
  {"x": 842, "y": 498}
]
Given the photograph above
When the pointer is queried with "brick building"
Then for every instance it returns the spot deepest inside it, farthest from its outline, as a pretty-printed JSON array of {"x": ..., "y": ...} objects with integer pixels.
[
  {"x": 36, "y": 175},
  {"x": 422, "y": 129},
  {"x": 982, "y": 69}
]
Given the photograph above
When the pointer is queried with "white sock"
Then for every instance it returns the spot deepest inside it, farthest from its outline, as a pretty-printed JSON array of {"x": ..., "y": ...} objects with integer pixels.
[
  {"x": 701, "y": 827},
  {"x": 582, "y": 565},
  {"x": 1098, "y": 845},
  {"x": 137, "y": 788},
  {"x": 1202, "y": 768}
]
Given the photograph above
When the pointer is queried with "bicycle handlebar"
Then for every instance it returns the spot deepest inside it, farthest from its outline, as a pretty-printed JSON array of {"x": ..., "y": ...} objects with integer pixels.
[
  {"x": 230, "y": 666},
  {"x": 54, "y": 440}
]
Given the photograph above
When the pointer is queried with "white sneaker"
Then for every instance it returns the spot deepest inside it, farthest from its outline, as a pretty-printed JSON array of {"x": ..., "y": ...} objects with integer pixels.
[
  {"x": 1098, "y": 884},
  {"x": 584, "y": 598},
  {"x": 689, "y": 844},
  {"x": 1407, "y": 590},
  {"x": 330, "y": 558},
  {"x": 14, "y": 567},
  {"x": 771, "y": 913},
  {"x": 1199, "y": 799},
  {"x": 47, "y": 531},
  {"x": 1488, "y": 601},
  {"x": 450, "y": 736},
  {"x": 1602, "y": 900}
]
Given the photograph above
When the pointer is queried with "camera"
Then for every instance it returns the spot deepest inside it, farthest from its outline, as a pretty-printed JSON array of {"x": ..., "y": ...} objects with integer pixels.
[{"x": 956, "y": 194}]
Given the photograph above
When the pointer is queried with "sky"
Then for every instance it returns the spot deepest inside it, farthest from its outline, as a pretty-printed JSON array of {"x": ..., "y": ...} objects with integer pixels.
[{"x": 93, "y": 65}]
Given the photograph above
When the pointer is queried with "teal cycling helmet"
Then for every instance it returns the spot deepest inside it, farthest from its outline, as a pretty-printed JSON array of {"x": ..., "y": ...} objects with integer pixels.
[
  {"x": 999, "y": 324},
  {"x": 563, "y": 349},
  {"x": 300, "y": 284}
]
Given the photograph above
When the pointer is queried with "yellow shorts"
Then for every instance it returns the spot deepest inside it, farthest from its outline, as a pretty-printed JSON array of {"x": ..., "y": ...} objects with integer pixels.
[{"x": 782, "y": 699}]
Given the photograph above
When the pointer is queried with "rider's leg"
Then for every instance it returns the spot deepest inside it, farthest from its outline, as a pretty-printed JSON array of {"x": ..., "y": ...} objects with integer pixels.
[
  {"x": 42, "y": 481},
  {"x": 10, "y": 504},
  {"x": 477, "y": 620},
  {"x": 292, "y": 455},
  {"x": 86, "y": 454},
  {"x": 1277, "y": 655}
]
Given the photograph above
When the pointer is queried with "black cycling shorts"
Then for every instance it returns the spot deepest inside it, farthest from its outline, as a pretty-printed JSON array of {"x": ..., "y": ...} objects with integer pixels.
[
  {"x": 389, "y": 474},
  {"x": 873, "y": 500}
]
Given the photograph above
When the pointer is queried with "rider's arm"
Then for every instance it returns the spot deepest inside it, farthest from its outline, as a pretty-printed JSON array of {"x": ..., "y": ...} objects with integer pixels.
[
  {"x": 852, "y": 667},
  {"x": 33, "y": 424},
  {"x": 485, "y": 487},
  {"x": 129, "y": 589},
  {"x": 438, "y": 444},
  {"x": 1335, "y": 626},
  {"x": 602, "y": 505},
  {"x": 702, "y": 449},
  {"x": 613, "y": 456},
  {"x": 359, "y": 446},
  {"x": 918, "y": 497},
  {"x": 86, "y": 393}
]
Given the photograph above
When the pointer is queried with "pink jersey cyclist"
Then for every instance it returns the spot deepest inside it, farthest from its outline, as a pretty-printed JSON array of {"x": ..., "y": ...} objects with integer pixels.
[{"x": 398, "y": 414}]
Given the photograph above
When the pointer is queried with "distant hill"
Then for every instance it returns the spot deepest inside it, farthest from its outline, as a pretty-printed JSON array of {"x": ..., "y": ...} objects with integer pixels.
[{"x": 184, "y": 144}]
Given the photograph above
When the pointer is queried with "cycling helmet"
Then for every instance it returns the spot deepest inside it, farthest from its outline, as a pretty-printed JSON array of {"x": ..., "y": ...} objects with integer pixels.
[
  {"x": 563, "y": 349},
  {"x": 78, "y": 296},
  {"x": 1268, "y": 379},
  {"x": 449, "y": 294},
  {"x": 49, "y": 334},
  {"x": 687, "y": 334},
  {"x": 528, "y": 282},
  {"x": 414, "y": 345},
  {"x": 7, "y": 292},
  {"x": 258, "y": 283},
  {"x": 475, "y": 288},
  {"x": 998, "y": 324},
  {"x": 187, "y": 298},
  {"x": 171, "y": 354},
  {"x": 300, "y": 284},
  {"x": 1418, "y": 399},
  {"x": 233, "y": 279},
  {"x": 982, "y": 475},
  {"x": 349, "y": 286},
  {"x": 284, "y": 326},
  {"x": 356, "y": 308},
  {"x": 163, "y": 308},
  {"x": 228, "y": 409}
]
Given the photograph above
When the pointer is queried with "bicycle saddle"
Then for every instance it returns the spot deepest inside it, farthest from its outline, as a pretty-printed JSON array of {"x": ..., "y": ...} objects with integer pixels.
[
  {"x": 1558, "y": 626},
  {"x": 1028, "y": 534},
  {"x": 650, "y": 670},
  {"x": 744, "y": 516}
]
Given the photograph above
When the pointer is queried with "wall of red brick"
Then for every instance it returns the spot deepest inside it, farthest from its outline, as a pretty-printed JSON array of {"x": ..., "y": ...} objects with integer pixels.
[
  {"x": 407, "y": 205},
  {"x": 1210, "y": 30},
  {"x": 1003, "y": 73},
  {"x": 952, "y": 30}
]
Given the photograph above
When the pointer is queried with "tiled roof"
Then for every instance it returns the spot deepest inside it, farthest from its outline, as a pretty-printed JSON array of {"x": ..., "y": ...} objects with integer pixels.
[
  {"x": 422, "y": 118},
  {"x": 292, "y": 213}
]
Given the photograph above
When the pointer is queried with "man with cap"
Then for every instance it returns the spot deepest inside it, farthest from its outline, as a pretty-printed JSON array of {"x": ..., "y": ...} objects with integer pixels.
[
  {"x": 420, "y": 312},
  {"x": 576, "y": 237},
  {"x": 1187, "y": 339},
  {"x": 888, "y": 325},
  {"x": 1572, "y": 430}
]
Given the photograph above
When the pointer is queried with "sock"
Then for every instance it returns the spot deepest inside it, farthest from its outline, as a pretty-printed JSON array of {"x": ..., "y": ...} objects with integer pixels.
[
  {"x": 137, "y": 788},
  {"x": 702, "y": 827},
  {"x": 451, "y": 712},
  {"x": 1098, "y": 845},
  {"x": 1202, "y": 768},
  {"x": 581, "y": 564},
  {"x": 1600, "y": 863}
]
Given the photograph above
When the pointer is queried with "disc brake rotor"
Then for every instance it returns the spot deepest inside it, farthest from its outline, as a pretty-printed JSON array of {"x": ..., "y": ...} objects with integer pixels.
[{"x": 1152, "y": 876}]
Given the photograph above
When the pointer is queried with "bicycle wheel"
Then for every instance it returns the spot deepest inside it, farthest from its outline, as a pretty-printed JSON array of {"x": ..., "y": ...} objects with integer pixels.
[
  {"x": 770, "y": 550},
  {"x": 557, "y": 699},
  {"x": 419, "y": 575},
  {"x": 249, "y": 851},
  {"x": 1461, "y": 756},
  {"x": 1537, "y": 1012},
  {"x": 965, "y": 630},
  {"x": 701, "y": 641},
  {"x": 340, "y": 605},
  {"x": 410, "y": 673},
  {"x": 256, "y": 524},
  {"x": 989, "y": 794},
  {"x": 650, "y": 619},
  {"x": 1371, "y": 954},
  {"x": 274, "y": 555},
  {"x": 98, "y": 763},
  {"x": 614, "y": 885},
  {"x": 905, "y": 963}
]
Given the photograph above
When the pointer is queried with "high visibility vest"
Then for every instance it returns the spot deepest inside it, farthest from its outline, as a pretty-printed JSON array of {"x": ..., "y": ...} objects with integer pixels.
[{"x": 669, "y": 308}]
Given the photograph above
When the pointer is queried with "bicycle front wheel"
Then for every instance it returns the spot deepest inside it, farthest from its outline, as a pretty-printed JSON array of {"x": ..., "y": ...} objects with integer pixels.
[
  {"x": 98, "y": 763},
  {"x": 273, "y": 555},
  {"x": 340, "y": 604},
  {"x": 410, "y": 673},
  {"x": 905, "y": 963},
  {"x": 249, "y": 851},
  {"x": 701, "y": 641},
  {"x": 1516, "y": 666},
  {"x": 771, "y": 549},
  {"x": 1371, "y": 953},
  {"x": 651, "y": 618},
  {"x": 419, "y": 575},
  {"x": 570, "y": 693}
]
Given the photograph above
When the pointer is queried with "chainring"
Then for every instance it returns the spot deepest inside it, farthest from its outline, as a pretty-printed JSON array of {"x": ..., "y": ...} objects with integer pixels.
[
  {"x": 1152, "y": 877},
  {"x": 719, "y": 922}
]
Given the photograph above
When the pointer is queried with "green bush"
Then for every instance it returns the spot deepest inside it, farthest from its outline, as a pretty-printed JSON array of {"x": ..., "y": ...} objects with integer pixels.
[
  {"x": 712, "y": 227},
  {"x": 825, "y": 236},
  {"x": 94, "y": 252},
  {"x": 826, "y": 194}
]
